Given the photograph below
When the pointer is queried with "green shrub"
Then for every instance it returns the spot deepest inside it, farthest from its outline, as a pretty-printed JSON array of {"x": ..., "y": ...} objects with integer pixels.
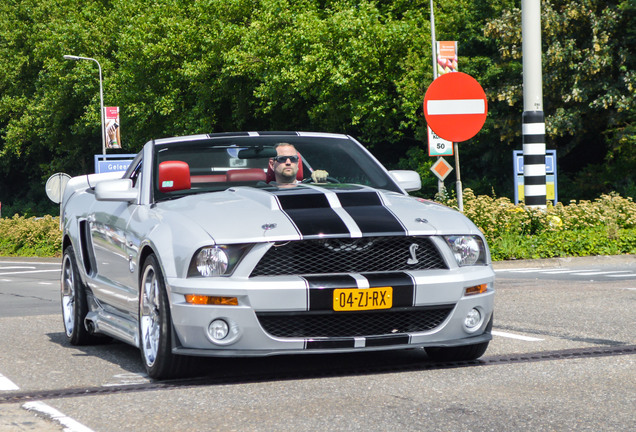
[
  {"x": 20, "y": 236},
  {"x": 605, "y": 226}
]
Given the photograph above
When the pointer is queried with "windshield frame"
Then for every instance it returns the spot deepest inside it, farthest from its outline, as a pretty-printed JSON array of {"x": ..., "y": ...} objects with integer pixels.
[{"x": 348, "y": 160}]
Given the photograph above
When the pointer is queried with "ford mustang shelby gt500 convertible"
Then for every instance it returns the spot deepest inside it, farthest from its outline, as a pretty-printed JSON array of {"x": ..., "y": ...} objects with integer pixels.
[{"x": 197, "y": 250}]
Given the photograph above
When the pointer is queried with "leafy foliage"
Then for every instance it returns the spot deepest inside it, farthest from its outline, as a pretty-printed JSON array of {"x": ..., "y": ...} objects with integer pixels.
[
  {"x": 353, "y": 66},
  {"x": 605, "y": 226},
  {"x": 20, "y": 236},
  {"x": 589, "y": 83}
]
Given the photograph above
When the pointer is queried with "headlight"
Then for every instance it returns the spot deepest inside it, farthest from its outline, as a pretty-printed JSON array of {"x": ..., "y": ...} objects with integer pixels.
[
  {"x": 216, "y": 260},
  {"x": 212, "y": 261},
  {"x": 468, "y": 250}
]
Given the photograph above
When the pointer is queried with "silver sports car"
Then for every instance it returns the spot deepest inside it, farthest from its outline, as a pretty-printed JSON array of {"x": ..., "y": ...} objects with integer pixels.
[{"x": 267, "y": 243}]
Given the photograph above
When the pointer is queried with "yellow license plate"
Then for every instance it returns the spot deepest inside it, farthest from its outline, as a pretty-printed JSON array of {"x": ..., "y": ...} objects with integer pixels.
[{"x": 362, "y": 299}]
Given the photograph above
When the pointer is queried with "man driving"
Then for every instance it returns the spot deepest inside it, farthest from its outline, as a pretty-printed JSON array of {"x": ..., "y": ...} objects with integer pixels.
[{"x": 285, "y": 167}]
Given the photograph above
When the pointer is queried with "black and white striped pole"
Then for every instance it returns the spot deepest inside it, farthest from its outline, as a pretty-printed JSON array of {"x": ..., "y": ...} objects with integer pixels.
[{"x": 533, "y": 123}]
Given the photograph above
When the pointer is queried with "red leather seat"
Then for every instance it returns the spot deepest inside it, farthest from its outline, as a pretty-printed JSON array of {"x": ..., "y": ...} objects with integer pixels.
[
  {"x": 246, "y": 175},
  {"x": 174, "y": 176},
  {"x": 209, "y": 178}
]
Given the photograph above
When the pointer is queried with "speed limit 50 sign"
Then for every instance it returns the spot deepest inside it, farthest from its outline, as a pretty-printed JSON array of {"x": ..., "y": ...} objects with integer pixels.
[{"x": 438, "y": 146}]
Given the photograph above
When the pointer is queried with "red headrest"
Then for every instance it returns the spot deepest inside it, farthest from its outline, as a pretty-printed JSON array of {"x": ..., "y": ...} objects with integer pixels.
[
  {"x": 174, "y": 176},
  {"x": 299, "y": 175},
  {"x": 246, "y": 175}
]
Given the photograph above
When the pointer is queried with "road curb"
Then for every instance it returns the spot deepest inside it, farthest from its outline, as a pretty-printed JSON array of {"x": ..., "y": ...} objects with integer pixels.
[{"x": 629, "y": 260}]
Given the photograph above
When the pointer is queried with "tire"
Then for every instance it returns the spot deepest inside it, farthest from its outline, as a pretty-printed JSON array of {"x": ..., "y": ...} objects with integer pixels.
[
  {"x": 458, "y": 353},
  {"x": 155, "y": 325},
  {"x": 74, "y": 302}
]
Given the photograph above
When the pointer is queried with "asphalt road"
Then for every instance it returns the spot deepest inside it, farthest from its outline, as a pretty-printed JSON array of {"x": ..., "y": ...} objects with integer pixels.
[{"x": 562, "y": 358}]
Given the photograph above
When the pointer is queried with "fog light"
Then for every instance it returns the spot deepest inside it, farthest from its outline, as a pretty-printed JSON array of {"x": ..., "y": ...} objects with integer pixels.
[
  {"x": 218, "y": 330},
  {"x": 473, "y": 319}
]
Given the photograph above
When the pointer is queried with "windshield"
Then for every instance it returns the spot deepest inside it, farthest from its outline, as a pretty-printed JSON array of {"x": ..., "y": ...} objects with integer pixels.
[{"x": 218, "y": 163}]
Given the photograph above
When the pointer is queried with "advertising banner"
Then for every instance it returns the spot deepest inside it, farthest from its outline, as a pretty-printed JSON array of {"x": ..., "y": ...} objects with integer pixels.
[
  {"x": 446, "y": 57},
  {"x": 446, "y": 62},
  {"x": 112, "y": 129}
]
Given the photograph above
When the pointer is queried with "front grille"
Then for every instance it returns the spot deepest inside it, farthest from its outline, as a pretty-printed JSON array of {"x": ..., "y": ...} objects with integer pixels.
[
  {"x": 350, "y": 324},
  {"x": 350, "y": 255}
]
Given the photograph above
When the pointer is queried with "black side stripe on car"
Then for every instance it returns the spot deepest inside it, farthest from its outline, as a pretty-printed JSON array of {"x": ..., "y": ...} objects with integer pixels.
[{"x": 314, "y": 215}]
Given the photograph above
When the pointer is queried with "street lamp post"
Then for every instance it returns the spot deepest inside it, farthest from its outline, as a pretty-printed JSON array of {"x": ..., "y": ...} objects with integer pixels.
[{"x": 101, "y": 94}]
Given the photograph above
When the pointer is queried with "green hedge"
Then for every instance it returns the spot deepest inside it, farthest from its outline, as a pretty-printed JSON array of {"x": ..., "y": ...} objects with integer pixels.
[
  {"x": 605, "y": 226},
  {"x": 33, "y": 236}
]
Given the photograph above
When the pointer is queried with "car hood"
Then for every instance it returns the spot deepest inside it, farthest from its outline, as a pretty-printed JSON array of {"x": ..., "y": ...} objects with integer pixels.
[{"x": 247, "y": 215}]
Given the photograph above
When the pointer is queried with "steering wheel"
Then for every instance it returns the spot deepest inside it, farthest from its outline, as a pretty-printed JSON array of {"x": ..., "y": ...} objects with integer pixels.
[{"x": 329, "y": 180}]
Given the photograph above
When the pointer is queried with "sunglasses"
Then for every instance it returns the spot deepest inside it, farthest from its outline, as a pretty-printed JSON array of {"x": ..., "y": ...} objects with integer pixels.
[{"x": 283, "y": 159}]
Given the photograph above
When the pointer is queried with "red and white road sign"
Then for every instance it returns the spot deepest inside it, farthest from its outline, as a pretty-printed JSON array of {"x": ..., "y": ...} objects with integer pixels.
[{"x": 455, "y": 106}]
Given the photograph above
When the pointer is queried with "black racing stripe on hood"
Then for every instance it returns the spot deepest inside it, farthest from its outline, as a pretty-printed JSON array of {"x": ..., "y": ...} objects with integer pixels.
[
  {"x": 371, "y": 216},
  {"x": 312, "y": 214}
]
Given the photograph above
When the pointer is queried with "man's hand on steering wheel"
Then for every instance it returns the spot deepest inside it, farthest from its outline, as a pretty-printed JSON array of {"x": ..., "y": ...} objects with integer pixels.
[{"x": 319, "y": 176}]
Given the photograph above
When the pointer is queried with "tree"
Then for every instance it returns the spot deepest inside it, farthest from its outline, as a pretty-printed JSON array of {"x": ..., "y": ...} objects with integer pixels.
[{"x": 588, "y": 87}]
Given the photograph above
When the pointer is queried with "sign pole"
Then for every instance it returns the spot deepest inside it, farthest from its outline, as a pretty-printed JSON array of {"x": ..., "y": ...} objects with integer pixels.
[
  {"x": 533, "y": 123},
  {"x": 440, "y": 183},
  {"x": 458, "y": 184}
]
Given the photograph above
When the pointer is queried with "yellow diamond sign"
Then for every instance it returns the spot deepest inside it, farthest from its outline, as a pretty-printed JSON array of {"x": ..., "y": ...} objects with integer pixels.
[{"x": 441, "y": 168}]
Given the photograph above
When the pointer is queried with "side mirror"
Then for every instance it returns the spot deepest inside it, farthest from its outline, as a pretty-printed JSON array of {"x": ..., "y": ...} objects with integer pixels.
[
  {"x": 115, "y": 190},
  {"x": 408, "y": 180}
]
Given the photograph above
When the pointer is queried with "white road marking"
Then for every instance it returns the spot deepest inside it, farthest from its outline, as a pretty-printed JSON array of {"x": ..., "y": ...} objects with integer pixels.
[
  {"x": 7, "y": 384},
  {"x": 15, "y": 267},
  {"x": 130, "y": 378},
  {"x": 30, "y": 271},
  {"x": 577, "y": 272},
  {"x": 594, "y": 273},
  {"x": 516, "y": 269},
  {"x": 516, "y": 336},
  {"x": 68, "y": 423}
]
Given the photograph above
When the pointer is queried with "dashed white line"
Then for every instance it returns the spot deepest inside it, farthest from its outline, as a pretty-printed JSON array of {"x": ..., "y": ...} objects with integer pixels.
[
  {"x": 515, "y": 336},
  {"x": 517, "y": 269},
  {"x": 68, "y": 423},
  {"x": 594, "y": 273},
  {"x": 30, "y": 271}
]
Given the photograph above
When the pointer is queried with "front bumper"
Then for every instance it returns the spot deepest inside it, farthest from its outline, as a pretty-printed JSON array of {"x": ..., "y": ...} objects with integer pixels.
[{"x": 296, "y": 296}]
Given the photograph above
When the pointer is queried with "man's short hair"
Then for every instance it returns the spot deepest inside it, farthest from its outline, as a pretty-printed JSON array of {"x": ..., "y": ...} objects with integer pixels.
[{"x": 284, "y": 144}]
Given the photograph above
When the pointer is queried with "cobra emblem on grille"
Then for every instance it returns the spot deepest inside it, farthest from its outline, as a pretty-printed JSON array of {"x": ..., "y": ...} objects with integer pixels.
[{"x": 413, "y": 259}]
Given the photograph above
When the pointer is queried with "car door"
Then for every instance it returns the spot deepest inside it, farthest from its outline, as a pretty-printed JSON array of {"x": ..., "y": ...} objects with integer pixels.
[{"x": 115, "y": 250}]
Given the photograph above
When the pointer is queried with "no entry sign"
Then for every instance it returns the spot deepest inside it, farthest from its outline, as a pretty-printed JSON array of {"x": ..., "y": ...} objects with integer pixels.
[{"x": 455, "y": 106}]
